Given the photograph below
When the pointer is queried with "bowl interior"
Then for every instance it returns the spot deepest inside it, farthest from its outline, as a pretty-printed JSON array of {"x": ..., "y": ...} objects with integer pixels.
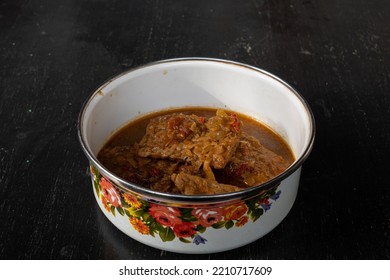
[{"x": 192, "y": 82}]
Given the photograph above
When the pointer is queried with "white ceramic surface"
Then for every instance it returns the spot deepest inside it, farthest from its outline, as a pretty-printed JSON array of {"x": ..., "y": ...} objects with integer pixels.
[{"x": 196, "y": 82}]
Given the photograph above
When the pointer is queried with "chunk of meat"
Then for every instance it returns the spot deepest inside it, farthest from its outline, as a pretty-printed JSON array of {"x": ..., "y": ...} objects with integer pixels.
[
  {"x": 195, "y": 185},
  {"x": 253, "y": 164},
  {"x": 192, "y": 139},
  {"x": 147, "y": 172},
  {"x": 168, "y": 136}
]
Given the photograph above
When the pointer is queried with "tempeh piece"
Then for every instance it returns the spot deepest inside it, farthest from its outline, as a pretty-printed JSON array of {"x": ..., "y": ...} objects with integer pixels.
[
  {"x": 254, "y": 164},
  {"x": 192, "y": 139},
  {"x": 195, "y": 185}
]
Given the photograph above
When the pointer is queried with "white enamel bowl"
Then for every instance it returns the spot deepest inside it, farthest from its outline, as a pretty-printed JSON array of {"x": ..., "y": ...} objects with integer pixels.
[{"x": 195, "y": 224}]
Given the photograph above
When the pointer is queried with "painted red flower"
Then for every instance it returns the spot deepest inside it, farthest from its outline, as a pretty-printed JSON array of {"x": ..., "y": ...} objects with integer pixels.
[
  {"x": 208, "y": 217},
  {"x": 110, "y": 193},
  {"x": 263, "y": 201},
  {"x": 242, "y": 221},
  {"x": 185, "y": 229},
  {"x": 166, "y": 216}
]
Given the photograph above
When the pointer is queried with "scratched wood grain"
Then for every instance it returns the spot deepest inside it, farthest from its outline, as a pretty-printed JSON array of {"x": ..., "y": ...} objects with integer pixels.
[{"x": 54, "y": 53}]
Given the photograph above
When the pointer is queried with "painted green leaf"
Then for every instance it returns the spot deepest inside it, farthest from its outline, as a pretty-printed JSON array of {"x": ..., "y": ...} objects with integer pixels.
[
  {"x": 120, "y": 210},
  {"x": 218, "y": 225},
  {"x": 153, "y": 229},
  {"x": 256, "y": 214},
  {"x": 127, "y": 213},
  {"x": 96, "y": 172},
  {"x": 189, "y": 219},
  {"x": 146, "y": 216},
  {"x": 144, "y": 203},
  {"x": 186, "y": 215},
  {"x": 136, "y": 212},
  {"x": 200, "y": 228},
  {"x": 167, "y": 234},
  {"x": 251, "y": 203},
  {"x": 149, "y": 220},
  {"x": 184, "y": 240},
  {"x": 124, "y": 203},
  {"x": 158, "y": 226},
  {"x": 113, "y": 210},
  {"x": 229, "y": 224},
  {"x": 186, "y": 211},
  {"x": 97, "y": 187}
]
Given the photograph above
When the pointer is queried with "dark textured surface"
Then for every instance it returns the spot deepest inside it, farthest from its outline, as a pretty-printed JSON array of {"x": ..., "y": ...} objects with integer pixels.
[{"x": 54, "y": 53}]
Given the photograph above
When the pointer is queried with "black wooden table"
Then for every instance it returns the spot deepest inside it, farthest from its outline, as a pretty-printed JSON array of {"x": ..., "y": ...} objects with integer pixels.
[{"x": 53, "y": 54}]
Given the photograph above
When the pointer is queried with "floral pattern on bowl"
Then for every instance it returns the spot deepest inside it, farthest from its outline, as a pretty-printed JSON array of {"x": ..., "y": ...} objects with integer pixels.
[{"x": 186, "y": 224}]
